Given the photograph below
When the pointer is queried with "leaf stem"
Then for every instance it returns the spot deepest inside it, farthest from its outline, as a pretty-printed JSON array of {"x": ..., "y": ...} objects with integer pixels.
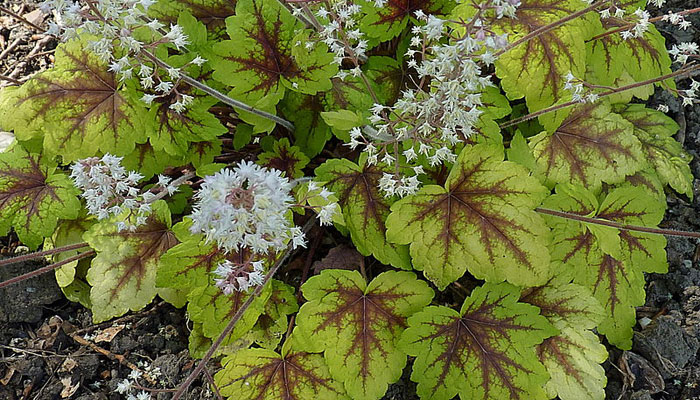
[
  {"x": 618, "y": 225},
  {"x": 45, "y": 269},
  {"x": 39, "y": 254},
  {"x": 234, "y": 320},
  {"x": 684, "y": 71},
  {"x": 220, "y": 96}
]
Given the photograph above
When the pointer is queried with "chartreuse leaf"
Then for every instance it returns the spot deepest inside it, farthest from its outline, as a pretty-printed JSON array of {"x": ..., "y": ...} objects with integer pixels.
[
  {"x": 593, "y": 145},
  {"x": 482, "y": 221},
  {"x": 386, "y": 22},
  {"x": 123, "y": 274},
  {"x": 364, "y": 208},
  {"x": 580, "y": 254},
  {"x": 272, "y": 323},
  {"x": 655, "y": 131},
  {"x": 68, "y": 232},
  {"x": 572, "y": 357},
  {"x": 485, "y": 351},
  {"x": 536, "y": 68},
  {"x": 610, "y": 56},
  {"x": 286, "y": 158},
  {"x": 258, "y": 60},
  {"x": 358, "y": 325},
  {"x": 262, "y": 374},
  {"x": 33, "y": 196},
  {"x": 78, "y": 107},
  {"x": 190, "y": 263},
  {"x": 209, "y": 306},
  {"x": 211, "y": 13}
]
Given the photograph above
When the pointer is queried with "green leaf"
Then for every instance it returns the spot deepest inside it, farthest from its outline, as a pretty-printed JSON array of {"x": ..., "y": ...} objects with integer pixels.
[
  {"x": 311, "y": 132},
  {"x": 483, "y": 221},
  {"x": 343, "y": 120},
  {"x": 209, "y": 306},
  {"x": 78, "y": 108},
  {"x": 262, "y": 374},
  {"x": 358, "y": 325},
  {"x": 593, "y": 145},
  {"x": 386, "y": 22},
  {"x": 68, "y": 232},
  {"x": 486, "y": 351},
  {"x": 258, "y": 60},
  {"x": 536, "y": 68},
  {"x": 211, "y": 13},
  {"x": 665, "y": 154},
  {"x": 189, "y": 264},
  {"x": 272, "y": 324},
  {"x": 364, "y": 208},
  {"x": 580, "y": 254},
  {"x": 286, "y": 158},
  {"x": 33, "y": 196},
  {"x": 123, "y": 273},
  {"x": 610, "y": 56},
  {"x": 573, "y": 357}
]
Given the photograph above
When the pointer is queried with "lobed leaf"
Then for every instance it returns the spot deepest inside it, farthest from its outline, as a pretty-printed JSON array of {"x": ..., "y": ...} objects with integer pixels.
[
  {"x": 388, "y": 21},
  {"x": 593, "y": 145},
  {"x": 364, "y": 208},
  {"x": 262, "y": 374},
  {"x": 78, "y": 108},
  {"x": 123, "y": 274},
  {"x": 482, "y": 221},
  {"x": 358, "y": 325},
  {"x": 485, "y": 351},
  {"x": 33, "y": 196}
]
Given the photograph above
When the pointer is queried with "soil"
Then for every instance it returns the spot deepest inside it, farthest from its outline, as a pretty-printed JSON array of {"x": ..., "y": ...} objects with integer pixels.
[{"x": 50, "y": 349}]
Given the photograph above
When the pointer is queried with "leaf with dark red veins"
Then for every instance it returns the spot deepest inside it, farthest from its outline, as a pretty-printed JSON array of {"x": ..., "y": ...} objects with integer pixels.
[
  {"x": 123, "y": 274},
  {"x": 364, "y": 208},
  {"x": 262, "y": 374},
  {"x": 386, "y": 22},
  {"x": 536, "y": 69},
  {"x": 77, "y": 107},
  {"x": 149, "y": 162},
  {"x": 593, "y": 145},
  {"x": 610, "y": 56},
  {"x": 573, "y": 357},
  {"x": 583, "y": 254},
  {"x": 209, "y": 306},
  {"x": 485, "y": 351},
  {"x": 33, "y": 196},
  {"x": 286, "y": 158},
  {"x": 482, "y": 221},
  {"x": 664, "y": 153},
  {"x": 258, "y": 60},
  {"x": 273, "y": 323},
  {"x": 212, "y": 13},
  {"x": 358, "y": 325}
]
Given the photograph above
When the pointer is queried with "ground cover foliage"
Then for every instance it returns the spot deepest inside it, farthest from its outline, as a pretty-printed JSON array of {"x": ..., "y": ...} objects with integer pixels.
[{"x": 533, "y": 222}]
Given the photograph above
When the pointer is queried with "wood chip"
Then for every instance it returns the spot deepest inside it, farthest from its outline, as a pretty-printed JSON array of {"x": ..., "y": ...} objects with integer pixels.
[{"x": 106, "y": 335}]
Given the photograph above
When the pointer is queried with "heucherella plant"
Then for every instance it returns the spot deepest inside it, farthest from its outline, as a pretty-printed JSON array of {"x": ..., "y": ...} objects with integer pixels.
[{"x": 487, "y": 157}]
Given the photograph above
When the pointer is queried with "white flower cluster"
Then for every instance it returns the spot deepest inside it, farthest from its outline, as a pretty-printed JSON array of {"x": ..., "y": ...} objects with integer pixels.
[
  {"x": 245, "y": 210},
  {"x": 246, "y": 207},
  {"x": 110, "y": 190},
  {"x": 113, "y": 22},
  {"x": 239, "y": 278},
  {"x": 683, "y": 51},
  {"x": 426, "y": 123},
  {"x": 641, "y": 26},
  {"x": 340, "y": 33},
  {"x": 611, "y": 11},
  {"x": 677, "y": 19},
  {"x": 580, "y": 95}
]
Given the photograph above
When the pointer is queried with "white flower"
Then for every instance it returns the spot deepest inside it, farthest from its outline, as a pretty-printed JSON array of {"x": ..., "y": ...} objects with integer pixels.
[
  {"x": 124, "y": 386},
  {"x": 244, "y": 208}
]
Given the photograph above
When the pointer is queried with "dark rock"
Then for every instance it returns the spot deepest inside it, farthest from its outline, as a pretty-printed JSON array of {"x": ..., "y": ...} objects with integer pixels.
[
  {"x": 666, "y": 345},
  {"x": 169, "y": 365},
  {"x": 639, "y": 374},
  {"x": 123, "y": 343},
  {"x": 25, "y": 301}
]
